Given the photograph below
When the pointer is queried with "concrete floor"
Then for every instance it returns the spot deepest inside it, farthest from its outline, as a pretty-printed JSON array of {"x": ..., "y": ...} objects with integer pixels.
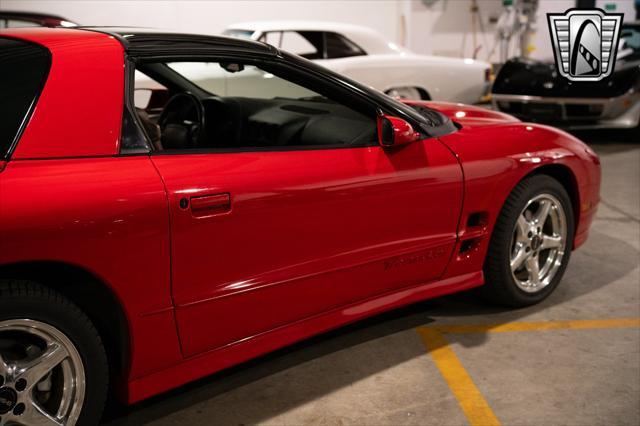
[{"x": 380, "y": 372}]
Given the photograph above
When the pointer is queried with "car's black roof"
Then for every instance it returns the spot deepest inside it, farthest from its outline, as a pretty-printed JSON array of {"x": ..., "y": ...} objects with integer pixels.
[
  {"x": 142, "y": 41},
  {"x": 25, "y": 14}
]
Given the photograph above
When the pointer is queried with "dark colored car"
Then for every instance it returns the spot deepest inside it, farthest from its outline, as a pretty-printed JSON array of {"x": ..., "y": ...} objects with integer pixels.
[
  {"x": 534, "y": 91},
  {"x": 16, "y": 19}
]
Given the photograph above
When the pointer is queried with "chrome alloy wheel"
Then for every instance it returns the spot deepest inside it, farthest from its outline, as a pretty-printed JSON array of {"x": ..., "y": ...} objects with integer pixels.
[
  {"x": 538, "y": 243},
  {"x": 42, "y": 378}
]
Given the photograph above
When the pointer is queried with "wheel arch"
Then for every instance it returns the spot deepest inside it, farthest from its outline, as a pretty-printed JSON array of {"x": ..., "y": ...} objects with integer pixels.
[
  {"x": 91, "y": 295},
  {"x": 424, "y": 93},
  {"x": 567, "y": 179}
]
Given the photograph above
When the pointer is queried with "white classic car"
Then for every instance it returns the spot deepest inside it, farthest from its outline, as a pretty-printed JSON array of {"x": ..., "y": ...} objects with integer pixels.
[{"x": 366, "y": 56}]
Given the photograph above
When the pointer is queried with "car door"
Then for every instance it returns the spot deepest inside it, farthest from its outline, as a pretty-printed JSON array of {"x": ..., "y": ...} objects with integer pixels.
[{"x": 266, "y": 236}]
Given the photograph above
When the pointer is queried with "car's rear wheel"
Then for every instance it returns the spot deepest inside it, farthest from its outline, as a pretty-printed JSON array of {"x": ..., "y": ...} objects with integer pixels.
[
  {"x": 405, "y": 93},
  {"x": 531, "y": 243},
  {"x": 53, "y": 367}
]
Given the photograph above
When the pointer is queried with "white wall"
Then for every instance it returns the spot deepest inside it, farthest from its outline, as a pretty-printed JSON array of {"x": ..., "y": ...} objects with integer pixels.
[
  {"x": 443, "y": 28},
  {"x": 211, "y": 17}
]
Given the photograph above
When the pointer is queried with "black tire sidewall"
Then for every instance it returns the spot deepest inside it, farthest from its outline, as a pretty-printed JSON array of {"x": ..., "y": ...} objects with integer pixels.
[
  {"x": 497, "y": 269},
  {"x": 53, "y": 309}
]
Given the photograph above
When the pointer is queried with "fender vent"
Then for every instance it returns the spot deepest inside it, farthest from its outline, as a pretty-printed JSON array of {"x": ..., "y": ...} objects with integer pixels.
[
  {"x": 473, "y": 234},
  {"x": 476, "y": 220}
]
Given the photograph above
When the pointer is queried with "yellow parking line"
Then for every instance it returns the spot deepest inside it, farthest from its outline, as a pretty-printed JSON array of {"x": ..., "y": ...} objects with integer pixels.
[
  {"x": 540, "y": 326},
  {"x": 469, "y": 397},
  {"x": 473, "y": 404}
]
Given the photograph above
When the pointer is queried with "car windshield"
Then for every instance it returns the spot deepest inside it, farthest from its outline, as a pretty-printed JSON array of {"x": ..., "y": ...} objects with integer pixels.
[
  {"x": 630, "y": 34},
  {"x": 245, "y": 34}
]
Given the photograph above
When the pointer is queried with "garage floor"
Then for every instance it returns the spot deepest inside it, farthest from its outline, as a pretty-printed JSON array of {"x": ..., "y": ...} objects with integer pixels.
[{"x": 574, "y": 360}]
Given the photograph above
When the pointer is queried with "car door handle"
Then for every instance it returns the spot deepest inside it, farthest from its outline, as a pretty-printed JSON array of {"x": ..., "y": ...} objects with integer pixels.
[{"x": 209, "y": 205}]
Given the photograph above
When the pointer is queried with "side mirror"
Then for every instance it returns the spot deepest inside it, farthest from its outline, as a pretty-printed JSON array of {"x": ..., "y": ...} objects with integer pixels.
[{"x": 394, "y": 131}]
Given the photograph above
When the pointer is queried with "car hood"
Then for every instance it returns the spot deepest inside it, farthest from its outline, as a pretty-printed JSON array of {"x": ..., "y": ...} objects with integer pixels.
[
  {"x": 521, "y": 76},
  {"x": 466, "y": 115}
]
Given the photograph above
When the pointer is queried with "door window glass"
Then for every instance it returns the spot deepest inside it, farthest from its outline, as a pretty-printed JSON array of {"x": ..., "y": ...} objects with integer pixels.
[{"x": 234, "y": 105}]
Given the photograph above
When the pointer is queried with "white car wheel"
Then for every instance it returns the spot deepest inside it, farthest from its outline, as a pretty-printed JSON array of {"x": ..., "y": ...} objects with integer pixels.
[{"x": 405, "y": 93}]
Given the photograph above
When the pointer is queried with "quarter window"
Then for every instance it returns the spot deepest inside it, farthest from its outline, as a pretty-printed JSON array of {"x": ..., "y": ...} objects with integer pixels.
[
  {"x": 23, "y": 70},
  {"x": 340, "y": 47},
  {"x": 313, "y": 44}
]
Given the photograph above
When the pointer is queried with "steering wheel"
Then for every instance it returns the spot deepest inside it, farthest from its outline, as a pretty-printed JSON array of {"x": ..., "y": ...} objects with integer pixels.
[{"x": 182, "y": 122}]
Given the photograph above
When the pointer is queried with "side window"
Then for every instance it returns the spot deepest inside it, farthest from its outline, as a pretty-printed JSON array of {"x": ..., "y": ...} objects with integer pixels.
[
  {"x": 233, "y": 105},
  {"x": 148, "y": 100},
  {"x": 309, "y": 47},
  {"x": 308, "y": 44},
  {"x": 340, "y": 47},
  {"x": 16, "y": 23},
  {"x": 23, "y": 70},
  {"x": 273, "y": 38},
  {"x": 250, "y": 81}
]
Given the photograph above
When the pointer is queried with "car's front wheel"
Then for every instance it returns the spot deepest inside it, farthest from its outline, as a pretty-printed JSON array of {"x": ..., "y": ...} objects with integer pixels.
[
  {"x": 531, "y": 243},
  {"x": 53, "y": 367}
]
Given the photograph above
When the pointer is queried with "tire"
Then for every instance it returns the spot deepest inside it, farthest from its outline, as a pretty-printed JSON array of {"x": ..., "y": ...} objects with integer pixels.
[
  {"x": 405, "y": 92},
  {"x": 35, "y": 319},
  {"x": 519, "y": 239}
]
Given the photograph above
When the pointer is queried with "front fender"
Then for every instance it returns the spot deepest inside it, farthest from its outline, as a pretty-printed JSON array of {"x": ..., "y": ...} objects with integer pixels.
[{"x": 496, "y": 157}]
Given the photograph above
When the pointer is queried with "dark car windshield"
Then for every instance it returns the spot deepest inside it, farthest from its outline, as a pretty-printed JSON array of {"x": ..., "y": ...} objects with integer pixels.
[
  {"x": 630, "y": 34},
  {"x": 245, "y": 34},
  {"x": 23, "y": 69}
]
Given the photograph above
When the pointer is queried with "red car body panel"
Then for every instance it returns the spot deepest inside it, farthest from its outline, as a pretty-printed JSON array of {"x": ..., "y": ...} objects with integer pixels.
[
  {"x": 84, "y": 96},
  {"x": 123, "y": 205},
  {"x": 273, "y": 247},
  {"x": 283, "y": 237}
]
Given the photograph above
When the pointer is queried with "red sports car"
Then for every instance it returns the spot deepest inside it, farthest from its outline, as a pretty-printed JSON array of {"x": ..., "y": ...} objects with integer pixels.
[{"x": 171, "y": 205}]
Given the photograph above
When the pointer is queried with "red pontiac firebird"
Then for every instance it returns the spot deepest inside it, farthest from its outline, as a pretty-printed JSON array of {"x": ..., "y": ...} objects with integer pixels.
[{"x": 171, "y": 205}]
